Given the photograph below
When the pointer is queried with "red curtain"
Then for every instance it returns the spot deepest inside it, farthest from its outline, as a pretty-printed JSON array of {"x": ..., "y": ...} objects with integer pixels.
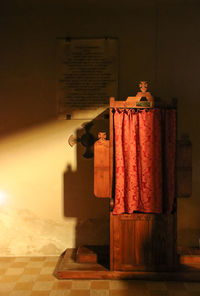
[{"x": 144, "y": 149}]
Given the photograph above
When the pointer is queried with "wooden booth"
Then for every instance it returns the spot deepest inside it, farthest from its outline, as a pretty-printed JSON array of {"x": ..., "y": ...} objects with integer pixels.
[{"x": 136, "y": 169}]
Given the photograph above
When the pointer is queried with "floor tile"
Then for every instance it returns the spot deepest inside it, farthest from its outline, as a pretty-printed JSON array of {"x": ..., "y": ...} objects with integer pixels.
[
  {"x": 127, "y": 293},
  {"x": 177, "y": 293},
  {"x": 192, "y": 287},
  {"x": 21, "y": 259},
  {"x": 46, "y": 277},
  {"x": 42, "y": 286},
  {"x": 52, "y": 258},
  {"x": 20, "y": 293},
  {"x": 40, "y": 293},
  {"x": 60, "y": 293},
  {"x": 2, "y": 271},
  {"x": 28, "y": 278},
  {"x": 47, "y": 270},
  {"x": 36, "y": 259},
  {"x": 5, "y": 264},
  {"x": 158, "y": 293},
  {"x": 99, "y": 284},
  {"x": 81, "y": 284},
  {"x": 6, "y": 287},
  {"x": 35, "y": 264},
  {"x": 99, "y": 292},
  {"x": 62, "y": 285},
  {"x": 9, "y": 278},
  {"x": 49, "y": 264},
  {"x": 19, "y": 264},
  {"x": 175, "y": 286},
  {"x": 14, "y": 271},
  {"x": 7, "y": 259},
  {"x": 32, "y": 271},
  {"x": 33, "y": 276},
  {"x": 24, "y": 286},
  {"x": 79, "y": 293},
  {"x": 116, "y": 284},
  {"x": 155, "y": 285},
  {"x": 193, "y": 293}
]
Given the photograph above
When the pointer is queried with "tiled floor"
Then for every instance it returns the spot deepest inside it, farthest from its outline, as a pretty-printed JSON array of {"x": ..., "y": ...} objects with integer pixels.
[{"x": 23, "y": 276}]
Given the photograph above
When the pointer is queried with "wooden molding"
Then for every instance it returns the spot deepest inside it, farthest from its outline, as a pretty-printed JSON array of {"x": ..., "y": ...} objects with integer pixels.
[{"x": 143, "y": 99}]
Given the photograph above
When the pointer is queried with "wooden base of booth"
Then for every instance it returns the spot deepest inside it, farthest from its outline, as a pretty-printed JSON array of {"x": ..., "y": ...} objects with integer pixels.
[{"x": 86, "y": 267}]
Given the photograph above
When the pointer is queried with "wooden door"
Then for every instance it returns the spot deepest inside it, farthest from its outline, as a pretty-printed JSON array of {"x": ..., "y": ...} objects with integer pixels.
[{"x": 142, "y": 242}]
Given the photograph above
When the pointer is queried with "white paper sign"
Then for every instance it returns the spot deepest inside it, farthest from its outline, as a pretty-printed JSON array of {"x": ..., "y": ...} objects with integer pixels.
[{"x": 87, "y": 75}]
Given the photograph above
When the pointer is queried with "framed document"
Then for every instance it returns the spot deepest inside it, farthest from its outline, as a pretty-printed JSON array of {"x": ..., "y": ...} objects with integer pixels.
[{"x": 86, "y": 76}]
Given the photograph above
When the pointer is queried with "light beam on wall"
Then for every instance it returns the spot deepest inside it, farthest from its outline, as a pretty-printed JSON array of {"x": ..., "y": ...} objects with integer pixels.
[{"x": 2, "y": 198}]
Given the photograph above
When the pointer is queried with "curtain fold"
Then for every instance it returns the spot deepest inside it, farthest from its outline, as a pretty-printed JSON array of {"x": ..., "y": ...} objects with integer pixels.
[{"x": 144, "y": 160}]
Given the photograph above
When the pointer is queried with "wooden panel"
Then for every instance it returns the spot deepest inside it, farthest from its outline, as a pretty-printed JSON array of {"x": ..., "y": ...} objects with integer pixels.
[
  {"x": 116, "y": 235},
  {"x": 143, "y": 242},
  {"x": 101, "y": 168},
  {"x": 132, "y": 102},
  {"x": 160, "y": 241},
  {"x": 68, "y": 268},
  {"x": 127, "y": 254},
  {"x": 86, "y": 255},
  {"x": 184, "y": 168},
  {"x": 143, "y": 99},
  {"x": 111, "y": 155},
  {"x": 112, "y": 249}
]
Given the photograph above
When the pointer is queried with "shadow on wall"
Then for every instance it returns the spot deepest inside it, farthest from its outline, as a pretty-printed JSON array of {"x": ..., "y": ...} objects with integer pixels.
[
  {"x": 19, "y": 123},
  {"x": 79, "y": 201}
]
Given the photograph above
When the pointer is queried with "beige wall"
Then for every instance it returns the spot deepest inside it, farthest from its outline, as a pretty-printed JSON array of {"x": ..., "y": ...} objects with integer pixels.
[{"x": 46, "y": 195}]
